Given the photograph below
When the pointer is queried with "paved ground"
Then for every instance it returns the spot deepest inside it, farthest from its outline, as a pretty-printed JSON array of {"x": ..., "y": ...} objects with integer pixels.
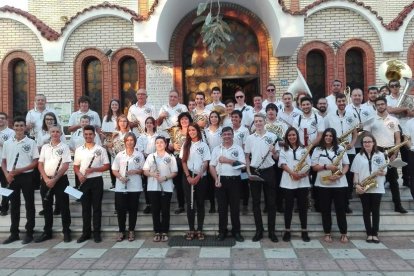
[{"x": 394, "y": 256}]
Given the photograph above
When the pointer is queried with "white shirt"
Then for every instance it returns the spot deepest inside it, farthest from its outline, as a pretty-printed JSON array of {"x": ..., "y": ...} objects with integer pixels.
[
  {"x": 409, "y": 130},
  {"x": 213, "y": 137},
  {"x": 331, "y": 100},
  {"x": 392, "y": 102},
  {"x": 289, "y": 117},
  {"x": 94, "y": 118},
  {"x": 5, "y": 135},
  {"x": 199, "y": 153},
  {"x": 234, "y": 152},
  {"x": 279, "y": 104},
  {"x": 140, "y": 113},
  {"x": 383, "y": 130},
  {"x": 291, "y": 159},
  {"x": 35, "y": 117},
  {"x": 123, "y": 163},
  {"x": 247, "y": 112},
  {"x": 212, "y": 105},
  {"x": 240, "y": 136},
  {"x": 51, "y": 156},
  {"x": 325, "y": 157},
  {"x": 146, "y": 143},
  {"x": 86, "y": 158},
  {"x": 313, "y": 124},
  {"x": 166, "y": 165},
  {"x": 77, "y": 140},
  {"x": 258, "y": 146},
  {"x": 109, "y": 126},
  {"x": 360, "y": 165},
  {"x": 172, "y": 119},
  {"x": 363, "y": 113},
  {"x": 27, "y": 150},
  {"x": 342, "y": 124},
  {"x": 227, "y": 121}
]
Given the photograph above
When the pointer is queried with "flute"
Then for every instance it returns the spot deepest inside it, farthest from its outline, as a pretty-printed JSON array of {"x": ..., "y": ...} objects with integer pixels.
[
  {"x": 192, "y": 191},
  {"x": 14, "y": 167},
  {"x": 157, "y": 171},
  {"x": 56, "y": 172}
]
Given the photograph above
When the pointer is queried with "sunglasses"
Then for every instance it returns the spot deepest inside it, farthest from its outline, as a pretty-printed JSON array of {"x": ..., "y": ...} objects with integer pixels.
[
  {"x": 270, "y": 90},
  {"x": 394, "y": 86},
  {"x": 239, "y": 97}
]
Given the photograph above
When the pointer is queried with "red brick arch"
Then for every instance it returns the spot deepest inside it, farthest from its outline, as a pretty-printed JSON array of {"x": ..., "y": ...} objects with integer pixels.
[
  {"x": 410, "y": 56},
  {"x": 330, "y": 60},
  {"x": 7, "y": 80},
  {"x": 79, "y": 75},
  {"x": 368, "y": 56},
  {"x": 186, "y": 26},
  {"x": 116, "y": 60}
]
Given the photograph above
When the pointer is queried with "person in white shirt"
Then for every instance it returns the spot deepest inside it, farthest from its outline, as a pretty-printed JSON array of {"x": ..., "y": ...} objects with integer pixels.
[
  {"x": 200, "y": 113},
  {"x": 195, "y": 155},
  {"x": 35, "y": 116},
  {"x": 91, "y": 160},
  {"x": 161, "y": 168},
  {"x": 215, "y": 97},
  {"x": 261, "y": 146},
  {"x": 409, "y": 130},
  {"x": 258, "y": 105},
  {"x": 139, "y": 112},
  {"x": 77, "y": 139},
  {"x": 5, "y": 134},
  {"x": 229, "y": 109},
  {"x": 19, "y": 157},
  {"x": 289, "y": 112},
  {"x": 227, "y": 181},
  {"x": 295, "y": 184},
  {"x": 109, "y": 120},
  {"x": 369, "y": 161},
  {"x": 271, "y": 97},
  {"x": 373, "y": 93},
  {"x": 327, "y": 162},
  {"x": 168, "y": 115},
  {"x": 246, "y": 110},
  {"x": 322, "y": 106},
  {"x": 127, "y": 168},
  {"x": 335, "y": 89},
  {"x": 74, "y": 121},
  {"x": 54, "y": 163}
]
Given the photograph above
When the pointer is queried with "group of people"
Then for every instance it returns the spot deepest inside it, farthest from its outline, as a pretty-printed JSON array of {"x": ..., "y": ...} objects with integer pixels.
[{"x": 221, "y": 152}]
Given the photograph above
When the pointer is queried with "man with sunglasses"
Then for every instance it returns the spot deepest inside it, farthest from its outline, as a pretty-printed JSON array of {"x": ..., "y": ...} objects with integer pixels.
[
  {"x": 245, "y": 109},
  {"x": 271, "y": 97}
]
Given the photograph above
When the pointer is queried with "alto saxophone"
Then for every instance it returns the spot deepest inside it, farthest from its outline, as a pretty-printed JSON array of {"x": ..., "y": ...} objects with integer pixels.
[
  {"x": 371, "y": 181},
  {"x": 301, "y": 166},
  {"x": 343, "y": 139},
  {"x": 325, "y": 175}
]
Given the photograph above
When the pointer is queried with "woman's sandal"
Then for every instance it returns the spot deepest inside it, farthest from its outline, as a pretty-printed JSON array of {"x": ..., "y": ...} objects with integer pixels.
[
  {"x": 189, "y": 236},
  {"x": 157, "y": 237},
  {"x": 328, "y": 238},
  {"x": 120, "y": 237},
  {"x": 164, "y": 237},
  {"x": 200, "y": 236},
  {"x": 344, "y": 238},
  {"x": 131, "y": 236}
]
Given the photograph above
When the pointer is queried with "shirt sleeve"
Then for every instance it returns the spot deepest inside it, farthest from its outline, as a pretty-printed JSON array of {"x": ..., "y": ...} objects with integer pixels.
[
  {"x": 241, "y": 157},
  {"x": 42, "y": 155},
  {"x": 115, "y": 163},
  {"x": 247, "y": 147},
  {"x": 315, "y": 157},
  {"x": 214, "y": 156},
  {"x": 356, "y": 164},
  {"x": 207, "y": 156},
  {"x": 35, "y": 150},
  {"x": 77, "y": 160},
  {"x": 174, "y": 167},
  {"x": 104, "y": 157},
  {"x": 147, "y": 163},
  {"x": 282, "y": 158},
  {"x": 66, "y": 155}
]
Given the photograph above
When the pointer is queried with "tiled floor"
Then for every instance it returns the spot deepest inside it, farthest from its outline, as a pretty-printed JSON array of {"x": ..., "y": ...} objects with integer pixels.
[{"x": 394, "y": 256}]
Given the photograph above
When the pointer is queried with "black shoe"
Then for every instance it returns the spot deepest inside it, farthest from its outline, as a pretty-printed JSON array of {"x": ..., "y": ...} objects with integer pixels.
[
  {"x": 56, "y": 212},
  {"x": 221, "y": 237},
  {"x": 400, "y": 209},
  {"x": 257, "y": 237},
  {"x": 83, "y": 238},
  {"x": 67, "y": 237},
  {"x": 286, "y": 236},
  {"x": 305, "y": 236},
  {"x": 348, "y": 210},
  {"x": 273, "y": 237},
  {"x": 27, "y": 239},
  {"x": 238, "y": 237},
  {"x": 265, "y": 209},
  {"x": 3, "y": 213},
  {"x": 43, "y": 237},
  {"x": 41, "y": 213},
  {"x": 11, "y": 238},
  {"x": 212, "y": 210},
  {"x": 147, "y": 209},
  {"x": 179, "y": 210},
  {"x": 97, "y": 238},
  {"x": 280, "y": 210}
]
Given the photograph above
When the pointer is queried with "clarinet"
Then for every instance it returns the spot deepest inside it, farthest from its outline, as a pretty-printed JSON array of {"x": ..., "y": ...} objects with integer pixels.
[
  {"x": 265, "y": 157},
  {"x": 14, "y": 167},
  {"x": 89, "y": 166},
  {"x": 126, "y": 176},
  {"x": 46, "y": 198},
  {"x": 157, "y": 170}
]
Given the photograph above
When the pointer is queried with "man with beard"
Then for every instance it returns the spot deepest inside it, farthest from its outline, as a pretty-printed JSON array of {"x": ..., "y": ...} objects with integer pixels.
[
  {"x": 322, "y": 106},
  {"x": 335, "y": 89},
  {"x": 289, "y": 112},
  {"x": 373, "y": 93}
]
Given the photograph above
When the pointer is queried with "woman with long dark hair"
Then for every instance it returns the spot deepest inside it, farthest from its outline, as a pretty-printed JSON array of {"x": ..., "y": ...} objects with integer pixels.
[
  {"x": 109, "y": 121},
  {"x": 43, "y": 136},
  {"x": 370, "y": 162},
  {"x": 331, "y": 163},
  {"x": 195, "y": 155},
  {"x": 295, "y": 182}
]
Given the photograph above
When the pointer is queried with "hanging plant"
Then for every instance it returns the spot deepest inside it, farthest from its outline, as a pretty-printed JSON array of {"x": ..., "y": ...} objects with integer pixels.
[{"x": 216, "y": 33}]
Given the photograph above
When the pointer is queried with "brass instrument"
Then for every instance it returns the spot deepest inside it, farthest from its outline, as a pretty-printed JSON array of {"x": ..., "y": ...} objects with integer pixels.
[
  {"x": 174, "y": 133},
  {"x": 139, "y": 128},
  {"x": 118, "y": 144},
  {"x": 301, "y": 166},
  {"x": 395, "y": 148},
  {"x": 299, "y": 85},
  {"x": 343, "y": 139},
  {"x": 347, "y": 93},
  {"x": 200, "y": 120},
  {"x": 325, "y": 175},
  {"x": 275, "y": 129},
  {"x": 220, "y": 110}
]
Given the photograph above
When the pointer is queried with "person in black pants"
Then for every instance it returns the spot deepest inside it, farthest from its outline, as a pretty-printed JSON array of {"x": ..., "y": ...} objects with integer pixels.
[
  {"x": 90, "y": 162},
  {"x": 53, "y": 164},
  {"x": 19, "y": 158}
]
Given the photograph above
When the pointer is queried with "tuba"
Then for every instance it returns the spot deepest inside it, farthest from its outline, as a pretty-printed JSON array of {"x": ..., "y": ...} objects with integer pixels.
[{"x": 299, "y": 85}]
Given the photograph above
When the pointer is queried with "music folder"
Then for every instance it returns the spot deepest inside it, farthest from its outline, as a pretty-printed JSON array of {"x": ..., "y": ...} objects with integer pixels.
[
  {"x": 73, "y": 192},
  {"x": 5, "y": 192}
]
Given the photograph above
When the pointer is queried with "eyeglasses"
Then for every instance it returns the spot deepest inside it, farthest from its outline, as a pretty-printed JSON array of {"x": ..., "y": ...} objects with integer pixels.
[
  {"x": 239, "y": 97},
  {"x": 270, "y": 90},
  {"x": 394, "y": 86},
  {"x": 367, "y": 142},
  {"x": 49, "y": 119}
]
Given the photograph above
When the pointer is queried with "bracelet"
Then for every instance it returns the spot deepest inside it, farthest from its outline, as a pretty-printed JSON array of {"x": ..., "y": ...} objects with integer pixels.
[{"x": 324, "y": 166}]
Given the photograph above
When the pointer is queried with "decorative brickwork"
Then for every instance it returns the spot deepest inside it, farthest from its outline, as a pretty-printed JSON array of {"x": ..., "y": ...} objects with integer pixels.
[
  {"x": 116, "y": 60},
  {"x": 79, "y": 75},
  {"x": 330, "y": 60},
  {"x": 6, "y": 80},
  {"x": 234, "y": 12},
  {"x": 410, "y": 56}
]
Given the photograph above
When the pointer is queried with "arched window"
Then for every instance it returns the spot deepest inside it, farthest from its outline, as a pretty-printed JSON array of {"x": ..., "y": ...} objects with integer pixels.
[
  {"x": 20, "y": 88},
  {"x": 354, "y": 67},
  {"x": 128, "y": 71},
  {"x": 316, "y": 74},
  {"x": 93, "y": 83}
]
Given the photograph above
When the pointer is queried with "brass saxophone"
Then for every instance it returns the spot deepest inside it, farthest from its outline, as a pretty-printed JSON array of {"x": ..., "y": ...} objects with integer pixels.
[
  {"x": 326, "y": 174},
  {"x": 371, "y": 181},
  {"x": 301, "y": 166},
  {"x": 395, "y": 148},
  {"x": 343, "y": 139}
]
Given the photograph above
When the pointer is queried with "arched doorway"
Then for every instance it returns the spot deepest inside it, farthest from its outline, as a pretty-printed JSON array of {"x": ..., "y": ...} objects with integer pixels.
[{"x": 236, "y": 67}]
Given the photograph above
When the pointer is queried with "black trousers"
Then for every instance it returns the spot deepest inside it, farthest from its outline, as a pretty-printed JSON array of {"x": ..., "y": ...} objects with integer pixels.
[
  {"x": 269, "y": 188},
  {"x": 200, "y": 190},
  {"x": 339, "y": 198},
  {"x": 279, "y": 193},
  {"x": 392, "y": 178},
  {"x": 160, "y": 208},
  {"x": 301, "y": 195},
  {"x": 91, "y": 200},
  {"x": 5, "y": 200},
  {"x": 113, "y": 178},
  {"x": 145, "y": 188},
  {"x": 126, "y": 203},
  {"x": 178, "y": 183},
  {"x": 210, "y": 189},
  {"x": 411, "y": 165},
  {"x": 405, "y": 155},
  {"x": 245, "y": 191},
  {"x": 371, "y": 206},
  {"x": 61, "y": 197},
  {"x": 22, "y": 182},
  {"x": 229, "y": 194},
  {"x": 350, "y": 177}
]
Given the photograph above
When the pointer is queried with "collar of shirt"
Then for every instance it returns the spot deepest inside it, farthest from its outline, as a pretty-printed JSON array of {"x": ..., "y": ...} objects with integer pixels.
[{"x": 21, "y": 141}]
